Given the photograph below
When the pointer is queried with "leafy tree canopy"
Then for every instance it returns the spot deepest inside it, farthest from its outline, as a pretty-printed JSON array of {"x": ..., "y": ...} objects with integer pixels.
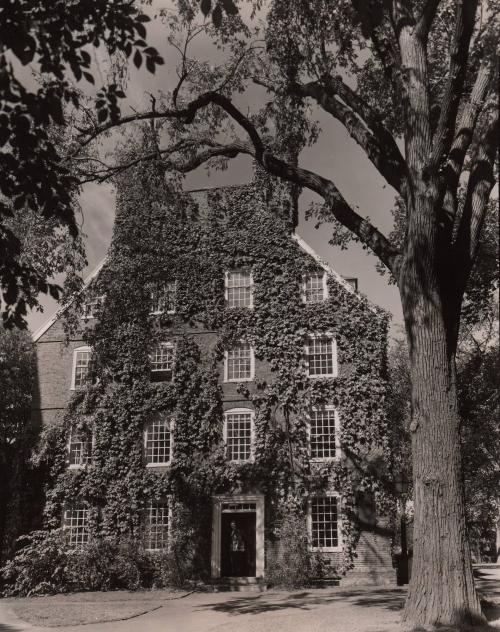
[{"x": 55, "y": 40}]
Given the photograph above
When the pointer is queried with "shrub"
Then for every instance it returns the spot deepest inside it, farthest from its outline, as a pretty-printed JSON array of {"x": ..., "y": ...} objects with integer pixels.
[
  {"x": 39, "y": 566},
  {"x": 47, "y": 564},
  {"x": 107, "y": 565},
  {"x": 291, "y": 563}
]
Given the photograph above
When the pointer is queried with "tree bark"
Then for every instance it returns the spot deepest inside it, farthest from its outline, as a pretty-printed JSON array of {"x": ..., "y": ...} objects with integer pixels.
[{"x": 442, "y": 586}]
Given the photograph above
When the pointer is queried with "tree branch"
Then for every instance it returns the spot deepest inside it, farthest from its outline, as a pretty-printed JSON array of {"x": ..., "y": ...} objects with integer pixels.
[
  {"x": 481, "y": 181},
  {"x": 378, "y": 143},
  {"x": 459, "y": 55},
  {"x": 424, "y": 22},
  {"x": 362, "y": 228},
  {"x": 461, "y": 143}
]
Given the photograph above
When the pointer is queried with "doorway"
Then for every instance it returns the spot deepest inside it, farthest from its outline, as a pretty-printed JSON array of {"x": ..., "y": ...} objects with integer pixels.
[
  {"x": 238, "y": 536},
  {"x": 238, "y": 544}
]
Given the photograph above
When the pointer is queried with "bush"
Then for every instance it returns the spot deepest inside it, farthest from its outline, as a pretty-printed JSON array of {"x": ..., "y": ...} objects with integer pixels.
[
  {"x": 46, "y": 564},
  {"x": 107, "y": 565},
  {"x": 39, "y": 567},
  {"x": 291, "y": 563}
]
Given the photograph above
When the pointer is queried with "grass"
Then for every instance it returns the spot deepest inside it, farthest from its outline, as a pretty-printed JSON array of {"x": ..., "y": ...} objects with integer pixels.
[{"x": 89, "y": 607}]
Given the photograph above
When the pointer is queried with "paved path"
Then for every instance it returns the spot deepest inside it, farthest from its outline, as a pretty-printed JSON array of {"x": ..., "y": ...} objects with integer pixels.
[{"x": 324, "y": 610}]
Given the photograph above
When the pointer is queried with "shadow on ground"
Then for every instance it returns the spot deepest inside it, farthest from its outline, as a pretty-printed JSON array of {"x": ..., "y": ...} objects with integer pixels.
[
  {"x": 4, "y": 627},
  {"x": 390, "y": 599}
]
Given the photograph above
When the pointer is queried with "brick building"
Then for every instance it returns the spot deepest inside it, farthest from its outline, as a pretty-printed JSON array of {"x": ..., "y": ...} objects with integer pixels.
[{"x": 293, "y": 374}]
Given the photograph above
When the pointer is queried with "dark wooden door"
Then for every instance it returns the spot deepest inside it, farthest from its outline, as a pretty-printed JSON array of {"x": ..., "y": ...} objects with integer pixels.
[{"x": 238, "y": 544}]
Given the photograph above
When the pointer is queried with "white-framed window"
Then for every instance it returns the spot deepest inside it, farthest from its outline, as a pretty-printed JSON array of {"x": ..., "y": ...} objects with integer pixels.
[
  {"x": 82, "y": 359},
  {"x": 158, "y": 441},
  {"x": 80, "y": 447},
  {"x": 92, "y": 307},
  {"x": 239, "y": 431},
  {"x": 162, "y": 362},
  {"x": 239, "y": 363},
  {"x": 314, "y": 287},
  {"x": 324, "y": 430},
  {"x": 76, "y": 524},
  {"x": 321, "y": 355},
  {"x": 163, "y": 297},
  {"x": 157, "y": 525},
  {"x": 323, "y": 522},
  {"x": 239, "y": 288}
]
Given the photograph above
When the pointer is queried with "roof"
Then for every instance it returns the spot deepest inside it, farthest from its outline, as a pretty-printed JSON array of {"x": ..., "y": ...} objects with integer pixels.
[
  {"x": 303, "y": 245},
  {"x": 88, "y": 280}
]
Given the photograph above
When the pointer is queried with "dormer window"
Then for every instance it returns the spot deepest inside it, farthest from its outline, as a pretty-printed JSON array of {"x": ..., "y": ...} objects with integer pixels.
[
  {"x": 163, "y": 297},
  {"x": 314, "y": 287},
  {"x": 239, "y": 288},
  {"x": 92, "y": 308},
  {"x": 162, "y": 362}
]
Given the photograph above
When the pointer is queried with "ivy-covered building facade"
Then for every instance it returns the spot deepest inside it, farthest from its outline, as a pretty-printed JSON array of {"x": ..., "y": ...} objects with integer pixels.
[{"x": 220, "y": 393}]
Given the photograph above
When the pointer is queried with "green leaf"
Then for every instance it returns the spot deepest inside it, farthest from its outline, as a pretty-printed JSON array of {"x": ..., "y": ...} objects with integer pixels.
[{"x": 88, "y": 76}]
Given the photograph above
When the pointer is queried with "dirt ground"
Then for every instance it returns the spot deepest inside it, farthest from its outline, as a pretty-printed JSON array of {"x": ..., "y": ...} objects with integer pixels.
[{"x": 362, "y": 609}]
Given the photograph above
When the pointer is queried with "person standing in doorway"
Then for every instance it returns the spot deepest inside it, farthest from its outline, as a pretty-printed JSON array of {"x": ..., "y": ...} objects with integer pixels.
[{"x": 237, "y": 549}]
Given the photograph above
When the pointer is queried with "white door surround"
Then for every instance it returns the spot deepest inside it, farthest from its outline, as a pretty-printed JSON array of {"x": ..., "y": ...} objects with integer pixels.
[{"x": 244, "y": 503}]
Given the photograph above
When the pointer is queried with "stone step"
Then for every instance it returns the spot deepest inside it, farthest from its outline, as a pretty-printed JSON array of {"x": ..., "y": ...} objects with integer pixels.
[{"x": 239, "y": 584}]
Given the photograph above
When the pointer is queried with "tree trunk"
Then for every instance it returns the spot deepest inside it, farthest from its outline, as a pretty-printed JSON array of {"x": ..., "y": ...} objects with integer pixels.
[{"x": 442, "y": 586}]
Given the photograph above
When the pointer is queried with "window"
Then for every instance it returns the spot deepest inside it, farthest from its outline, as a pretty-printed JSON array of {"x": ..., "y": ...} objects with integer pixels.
[
  {"x": 162, "y": 362},
  {"x": 76, "y": 525},
  {"x": 82, "y": 358},
  {"x": 158, "y": 442},
  {"x": 324, "y": 523},
  {"x": 324, "y": 433},
  {"x": 163, "y": 298},
  {"x": 239, "y": 288},
  {"x": 238, "y": 434},
  {"x": 314, "y": 287},
  {"x": 157, "y": 526},
  {"x": 91, "y": 308},
  {"x": 80, "y": 448},
  {"x": 239, "y": 363},
  {"x": 321, "y": 356}
]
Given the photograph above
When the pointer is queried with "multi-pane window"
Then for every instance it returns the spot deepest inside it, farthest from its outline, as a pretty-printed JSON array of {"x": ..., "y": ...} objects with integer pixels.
[
  {"x": 76, "y": 525},
  {"x": 324, "y": 525},
  {"x": 162, "y": 362},
  {"x": 157, "y": 442},
  {"x": 91, "y": 308},
  {"x": 82, "y": 359},
  {"x": 238, "y": 434},
  {"x": 163, "y": 298},
  {"x": 80, "y": 447},
  {"x": 157, "y": 525},
  {"x": 239, "y": 288},
  {"x": 314, "y": 288},
  {"x": 323, "y": 433},
  {"x": 239, "y": 363},
  {"x": 321, "y": 356}
]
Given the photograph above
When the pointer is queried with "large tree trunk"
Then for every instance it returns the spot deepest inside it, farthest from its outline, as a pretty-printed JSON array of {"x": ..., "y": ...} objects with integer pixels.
[{"x": 442, "y": 586}]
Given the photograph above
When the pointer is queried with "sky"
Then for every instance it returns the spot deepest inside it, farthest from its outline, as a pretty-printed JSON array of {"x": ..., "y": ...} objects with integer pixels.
[{"x": 335, "y": 156}]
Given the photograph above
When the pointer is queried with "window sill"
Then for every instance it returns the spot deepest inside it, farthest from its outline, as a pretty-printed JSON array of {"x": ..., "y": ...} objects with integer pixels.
[
  {"x": 152, "y": 465},
  {"x": 325, "y": 549},
  {"x": 243, "y": 379}
]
